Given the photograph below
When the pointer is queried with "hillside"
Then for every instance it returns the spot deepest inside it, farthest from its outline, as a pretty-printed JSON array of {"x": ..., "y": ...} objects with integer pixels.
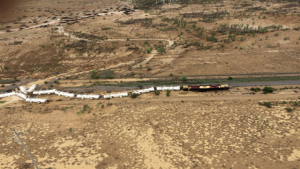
[{"x": 208, "y": 38}]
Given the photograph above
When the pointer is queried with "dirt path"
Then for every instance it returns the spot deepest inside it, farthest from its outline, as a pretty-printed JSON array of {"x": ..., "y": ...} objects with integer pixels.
[
  {"x": 53, "y": 22},
  {"x": 62, "y": 31},
  {"x": 78, "y": 73},
  {"x": 171, "y": 42}
]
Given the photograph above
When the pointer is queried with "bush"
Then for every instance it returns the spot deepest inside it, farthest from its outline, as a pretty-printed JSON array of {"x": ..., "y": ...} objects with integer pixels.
[
  {"x": 168, "y": 93},
  {"x": 289, "y": 109},
  {"x": 161, "y": 50},
  {"x": 94, "y": 74},
  {"x": 268, "y": 89},
  {"x": 184, "y": 78},
  {"x": 134, "y": 95},
  {"x": 156, "y": 92},
  {"x": 56, "y": 82},
  {"x": 45, "y": 82},
  {"x": 149, "y": 50},
  {"x": 106, "y": 74},
  {"x": 255, "y": 89},
  {"x": 230, "y": 78},
  {"x": 3, "y": 101},
  {"x": 212, "y": 38},
  {"x": 267, "y": 104}
]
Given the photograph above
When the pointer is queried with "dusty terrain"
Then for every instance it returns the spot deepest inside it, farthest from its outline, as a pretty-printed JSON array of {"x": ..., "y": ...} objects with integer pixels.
[
  {"x": 64, "y": 44},
  {"x": 42, "y": 39},
  {"x": 185, "y": 130}
]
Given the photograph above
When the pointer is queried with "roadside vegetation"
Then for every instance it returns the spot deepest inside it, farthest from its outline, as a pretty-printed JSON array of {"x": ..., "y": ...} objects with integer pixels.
[{"x": 176, "y": 81}]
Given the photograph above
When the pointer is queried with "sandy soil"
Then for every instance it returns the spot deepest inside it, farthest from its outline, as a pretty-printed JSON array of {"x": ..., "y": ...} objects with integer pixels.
[
  {"x": 56, "y": 51},
  {"x": 224, "y": 129},
  {"x": 186, "y": 130}
]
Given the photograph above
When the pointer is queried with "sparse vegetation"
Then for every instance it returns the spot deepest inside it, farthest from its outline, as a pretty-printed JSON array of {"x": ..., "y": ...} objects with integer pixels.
[
  {"x": 156, "y": 92},
  {"x": 268, "y": 89},
  {"x": 186, "y": 42},
  {"x": 168, "y": 93},
  {"x": 267, "y": 104},
  {"x": 255, "y": 89},
  {"x": 184, "y": 79},
  {"x": 84, "y": 109},
  {"x": 94, "y": 74},
  {"x": 134, "y": 95},
  {"x": 161, "y": 50}
]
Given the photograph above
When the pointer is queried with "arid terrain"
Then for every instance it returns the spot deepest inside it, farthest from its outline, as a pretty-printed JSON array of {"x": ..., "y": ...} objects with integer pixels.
[
  {"x": 42, "y": 39},
  {"x": 102, "y": 47},
  {"x": 225, "y": 129}
]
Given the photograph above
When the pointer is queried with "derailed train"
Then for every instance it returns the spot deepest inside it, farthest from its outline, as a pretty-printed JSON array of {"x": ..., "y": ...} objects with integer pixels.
[
  {"x": 24, "y": 93},
  {"x": 205, "y": 87}
]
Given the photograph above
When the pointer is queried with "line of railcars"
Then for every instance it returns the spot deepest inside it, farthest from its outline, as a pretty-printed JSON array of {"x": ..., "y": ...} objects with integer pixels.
[{"x": 111, "y": 95}]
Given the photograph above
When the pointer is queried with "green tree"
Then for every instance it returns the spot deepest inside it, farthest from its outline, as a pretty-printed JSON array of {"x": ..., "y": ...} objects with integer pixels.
[{"x": 268, "y": 89}]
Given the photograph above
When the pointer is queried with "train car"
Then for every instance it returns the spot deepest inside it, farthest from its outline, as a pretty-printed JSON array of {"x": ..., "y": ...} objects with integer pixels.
[
  {"x": 85, "y": 96},
  {"x": 205, "y": 87},
  {"x": 32, "y": 88}
]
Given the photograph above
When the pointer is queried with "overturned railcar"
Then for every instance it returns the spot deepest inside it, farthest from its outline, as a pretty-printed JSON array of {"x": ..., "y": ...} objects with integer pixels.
[{"x": 205, "y": 87}]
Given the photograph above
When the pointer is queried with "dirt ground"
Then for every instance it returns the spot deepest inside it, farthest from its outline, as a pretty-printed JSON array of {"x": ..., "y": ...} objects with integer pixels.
[
  {"x": 74, "y": 41},
  {"x": 229, "y": 37},
  {"x": 224, "y": 129}
]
